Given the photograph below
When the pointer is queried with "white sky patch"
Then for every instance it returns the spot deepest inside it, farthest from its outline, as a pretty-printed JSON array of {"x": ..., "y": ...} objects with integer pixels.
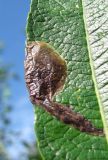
[
  {"x": 23, "y": 117},
  {"x": 23, "y": 123}
]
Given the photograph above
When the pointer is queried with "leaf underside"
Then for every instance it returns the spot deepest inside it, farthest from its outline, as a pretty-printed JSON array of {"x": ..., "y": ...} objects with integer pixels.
[{"x": 61, "y": 23}]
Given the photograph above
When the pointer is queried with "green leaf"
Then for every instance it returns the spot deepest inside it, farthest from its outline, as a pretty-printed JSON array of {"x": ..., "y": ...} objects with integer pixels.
[{"x": 78, "y": 31}]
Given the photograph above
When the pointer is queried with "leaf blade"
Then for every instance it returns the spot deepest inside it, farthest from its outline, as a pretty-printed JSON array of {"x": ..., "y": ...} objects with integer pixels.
[
  {"x": 98, "y": 53},
  {"x": 61, "y": 24}
]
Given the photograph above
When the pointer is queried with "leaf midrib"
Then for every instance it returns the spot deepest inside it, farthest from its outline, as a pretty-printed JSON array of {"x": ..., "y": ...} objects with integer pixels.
[{"x": 93, "y": 73}]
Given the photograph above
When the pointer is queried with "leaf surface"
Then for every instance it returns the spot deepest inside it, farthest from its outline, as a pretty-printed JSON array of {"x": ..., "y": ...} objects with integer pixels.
[{"x": 78, "y": 31}]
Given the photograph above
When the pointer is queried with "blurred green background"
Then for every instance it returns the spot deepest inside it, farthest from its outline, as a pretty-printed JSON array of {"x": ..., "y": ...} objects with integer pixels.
[{"x": 17, "y": 138}]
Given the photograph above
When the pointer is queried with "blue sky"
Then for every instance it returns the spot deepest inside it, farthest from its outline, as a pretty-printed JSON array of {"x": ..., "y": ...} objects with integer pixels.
[{"x": 13, "y": 15}]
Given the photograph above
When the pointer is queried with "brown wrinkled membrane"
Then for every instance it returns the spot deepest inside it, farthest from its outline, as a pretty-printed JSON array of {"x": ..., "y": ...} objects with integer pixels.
[{"x": 45, "y": 74}]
